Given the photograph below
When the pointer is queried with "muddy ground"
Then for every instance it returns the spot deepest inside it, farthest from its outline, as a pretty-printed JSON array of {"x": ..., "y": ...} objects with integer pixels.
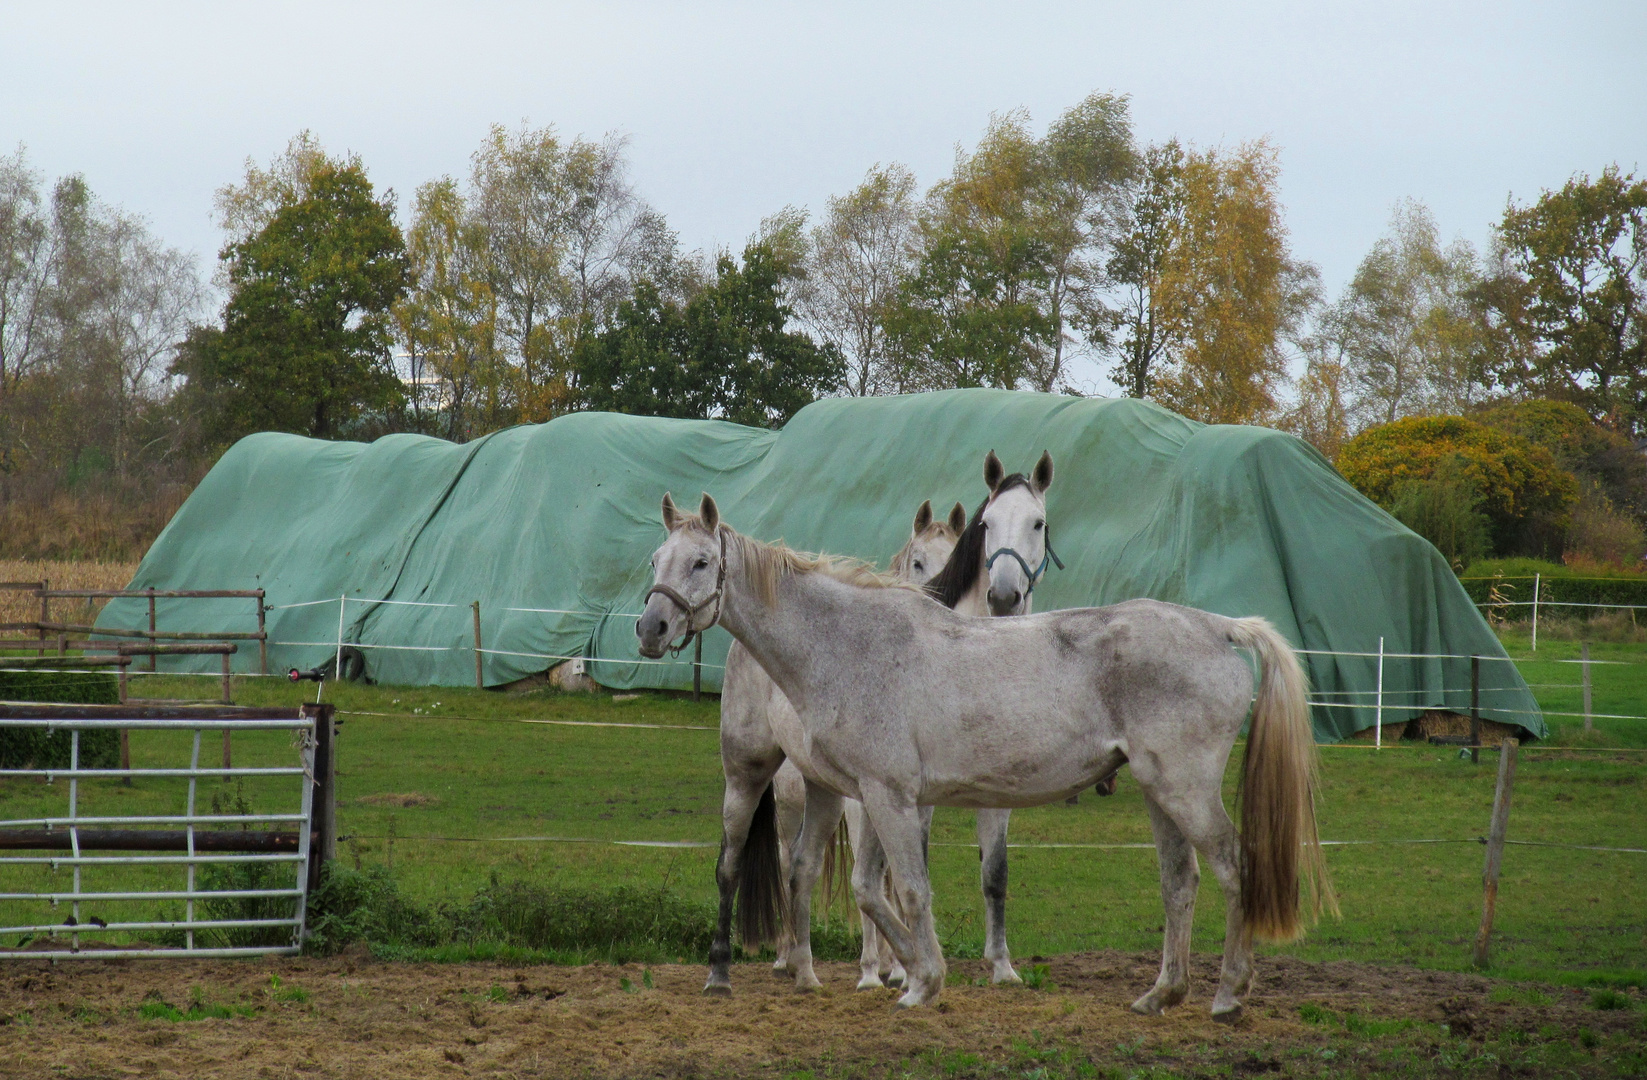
[{"x": 351, "y": 1016}]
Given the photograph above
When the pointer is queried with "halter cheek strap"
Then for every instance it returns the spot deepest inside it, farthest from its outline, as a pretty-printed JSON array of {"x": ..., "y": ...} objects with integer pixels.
[{"x": 692, "y": 609}]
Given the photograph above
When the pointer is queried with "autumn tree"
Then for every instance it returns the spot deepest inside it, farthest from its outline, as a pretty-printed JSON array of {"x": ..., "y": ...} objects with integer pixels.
[
  {"x": 566, "y": 237},
  {"x": 1574, "y": 288},
  {"x": 459, "y": 383},
  {"x": 305, "y": 344},
  {"x": 857, "y": 258},
  {"x": 1223, "y": 288},
  {"x": 1407, "y": 326},
  {"x": 1013, "y": 247}
]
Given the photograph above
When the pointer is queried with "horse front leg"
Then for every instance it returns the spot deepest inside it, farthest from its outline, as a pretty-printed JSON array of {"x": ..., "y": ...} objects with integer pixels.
[
  {"x": 897, "y": 825},
  {"x": 744, "y": 792},
  {"x": 992, "y": 859},
  {"x": 822, "y": 818},
  {"x": 1180, "y": 877}
]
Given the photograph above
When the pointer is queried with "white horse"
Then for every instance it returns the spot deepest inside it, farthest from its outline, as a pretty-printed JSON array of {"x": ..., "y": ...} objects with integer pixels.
[
  {"x": 902, "y": 703},
  {"x": 748, "y": 699},
  {"x": 997, "y": 562}
]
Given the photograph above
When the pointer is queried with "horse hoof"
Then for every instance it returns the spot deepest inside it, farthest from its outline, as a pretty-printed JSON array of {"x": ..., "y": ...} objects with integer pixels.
[
  {"x": 1146, "y": 1006},
  {"x": 870, "y": 982},
  {"x": 895, "y": 980},
  {"x": 1005, "y": 976},
  {"x": 1230, "y": 1015},
  {"x": 717, "y": 990},
  {"x": 910, "y": 1000}
]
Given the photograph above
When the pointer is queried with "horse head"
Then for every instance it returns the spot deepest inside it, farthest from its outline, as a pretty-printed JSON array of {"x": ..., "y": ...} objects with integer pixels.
[
  {"x": 688, "y": 579},
  {"x": 1016, "y": 547}
]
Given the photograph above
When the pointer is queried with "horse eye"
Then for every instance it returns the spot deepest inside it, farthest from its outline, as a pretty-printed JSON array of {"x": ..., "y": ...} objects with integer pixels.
[
  {"x": 919, "y": 565},
  {"x": 701, "y": 563},
  {"x": 1038, "y": 525}
]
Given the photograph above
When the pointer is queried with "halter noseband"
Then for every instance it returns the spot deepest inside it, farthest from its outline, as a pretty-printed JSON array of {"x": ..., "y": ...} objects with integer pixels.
[
  {"x": 691, "y": 609},
  {"x": 1033, "y": 575}
]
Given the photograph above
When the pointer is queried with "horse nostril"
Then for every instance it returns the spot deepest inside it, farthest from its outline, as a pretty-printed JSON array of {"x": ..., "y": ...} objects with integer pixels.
[{"x": 663, "y": 626}]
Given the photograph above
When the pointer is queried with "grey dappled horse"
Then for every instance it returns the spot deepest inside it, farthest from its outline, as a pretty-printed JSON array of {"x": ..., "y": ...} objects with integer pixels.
[
  {"x": 1012, "y": 712},
  {"x": 749, "y": 698}
]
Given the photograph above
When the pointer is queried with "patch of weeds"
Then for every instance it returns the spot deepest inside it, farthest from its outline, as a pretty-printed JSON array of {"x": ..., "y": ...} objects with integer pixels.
[
  {"x": 1588, "y": 1039},
  {"x": 1312, "y": 1013},
  {"x": 85, "y": 1014},
  {"x": 497, "y": 994},
  {"x": 1036, "y": 977},
  {"x": 1518, "y": 995},
  {"x": 952, "y": 1062},
  {"x": 1608, "y": 1000},
  {"x": 646, "y": 978},
  {"x": 157, "y": 1008},
  {"x": 22, "y": 1018},
  {"x": 283, "y": 994},
  {"x": 628, "y": 987}
]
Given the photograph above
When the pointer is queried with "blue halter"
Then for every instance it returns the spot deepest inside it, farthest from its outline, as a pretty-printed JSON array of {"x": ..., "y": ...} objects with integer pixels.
[{"x": 1033, "y": 575}]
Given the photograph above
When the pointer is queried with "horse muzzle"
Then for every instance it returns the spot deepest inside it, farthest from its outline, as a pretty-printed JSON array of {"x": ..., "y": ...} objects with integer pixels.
[{"x": 656, "y": 627}]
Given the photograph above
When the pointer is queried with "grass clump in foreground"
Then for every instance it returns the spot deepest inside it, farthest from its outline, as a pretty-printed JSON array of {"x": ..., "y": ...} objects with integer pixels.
[
  {"x": 517, "y": 920},
  {"x": 522, "y": 921}
]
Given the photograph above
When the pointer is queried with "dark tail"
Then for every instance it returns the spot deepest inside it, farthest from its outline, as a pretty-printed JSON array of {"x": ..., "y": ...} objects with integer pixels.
[
  {"x": 837, "y": 867},
  {"x": 761, "y": 890}
]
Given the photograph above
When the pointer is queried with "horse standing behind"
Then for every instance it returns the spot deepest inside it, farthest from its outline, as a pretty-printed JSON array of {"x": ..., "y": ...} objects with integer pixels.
[{"x": 1017, "y": 712}]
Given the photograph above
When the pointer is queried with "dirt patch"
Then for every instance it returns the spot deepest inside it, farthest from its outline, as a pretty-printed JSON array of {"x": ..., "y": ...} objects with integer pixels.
[
  {"x": 411, "y": 798},
  {"x": 351, "y": 1016}
]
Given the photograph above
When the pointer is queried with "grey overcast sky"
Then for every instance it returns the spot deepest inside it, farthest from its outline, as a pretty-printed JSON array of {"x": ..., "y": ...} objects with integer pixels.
[{"x": 736, "y": 110}]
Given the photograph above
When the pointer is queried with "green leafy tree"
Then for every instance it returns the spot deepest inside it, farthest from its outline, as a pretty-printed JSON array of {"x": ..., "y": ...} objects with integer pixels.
[
  {"x": 306, "y": 334},
  {"x": 1525, "y": 493},
  {"x": 725, "y": 353},
  {"x": 1575, "y": 289}
]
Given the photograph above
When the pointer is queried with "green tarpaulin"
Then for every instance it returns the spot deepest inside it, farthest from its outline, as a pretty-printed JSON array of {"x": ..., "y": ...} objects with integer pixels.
[{"x": 550, "y": 526}]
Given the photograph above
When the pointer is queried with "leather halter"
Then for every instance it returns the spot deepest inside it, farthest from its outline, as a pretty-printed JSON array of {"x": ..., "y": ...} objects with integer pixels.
[
  {"x": 1035, "y": 574},
  {"x": 691, "y": 609}
]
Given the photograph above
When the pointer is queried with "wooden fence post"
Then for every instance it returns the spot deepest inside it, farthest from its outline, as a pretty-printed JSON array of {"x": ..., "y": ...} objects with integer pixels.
[
  {"x": 323, "y": 845},
  {"x": 262, "y": 638},
  {"x": 1495, "y": 847},
  {"x": 478, "y": 684},
  {"x": 153, "y": 658},
  {"x": 45, "y": 615},
  {"x": 1584, "y": 665}
]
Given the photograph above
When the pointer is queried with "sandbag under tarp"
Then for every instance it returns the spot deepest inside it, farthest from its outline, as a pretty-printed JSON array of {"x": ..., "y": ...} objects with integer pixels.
[{"x": 550, "y": 527}]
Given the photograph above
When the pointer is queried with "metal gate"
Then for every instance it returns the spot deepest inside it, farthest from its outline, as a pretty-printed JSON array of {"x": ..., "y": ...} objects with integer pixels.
[{"x": 198, "y": 839}]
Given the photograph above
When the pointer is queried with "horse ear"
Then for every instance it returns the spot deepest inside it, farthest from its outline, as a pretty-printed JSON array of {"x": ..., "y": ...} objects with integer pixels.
[
  {"x": 1043, "y": 472},
  {"x": 957, "y": 518},
  {"x": 993, "y": 471},
  {"x": 923, "y": 517},
  {"x": 710, "y": 513},
  {"x": 671, "y": 516}
]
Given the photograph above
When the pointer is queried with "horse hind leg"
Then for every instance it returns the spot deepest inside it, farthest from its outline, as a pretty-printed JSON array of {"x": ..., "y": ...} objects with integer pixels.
[
  {"x": 822, "y": 818},
  {"x": 740, "y": 805},
  {"x": 992, "y": 858},
  {"x": 789, "y": 789},
  {"x": 1180, "y": 877},
  {"x": 1199, "y": 815}
]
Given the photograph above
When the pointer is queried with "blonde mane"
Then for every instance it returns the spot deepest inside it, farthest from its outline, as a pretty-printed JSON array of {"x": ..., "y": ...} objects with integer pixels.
[{"x": 767, "y": 564}]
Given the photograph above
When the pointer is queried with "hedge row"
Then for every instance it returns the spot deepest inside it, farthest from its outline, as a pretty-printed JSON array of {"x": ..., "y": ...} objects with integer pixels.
[
  {"x": 1575, "y": 590},
  {"x": 37, "y": 748}
]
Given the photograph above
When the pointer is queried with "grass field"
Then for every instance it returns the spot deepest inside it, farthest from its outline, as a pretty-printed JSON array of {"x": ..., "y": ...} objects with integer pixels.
[{"x": 453, "y": 786}]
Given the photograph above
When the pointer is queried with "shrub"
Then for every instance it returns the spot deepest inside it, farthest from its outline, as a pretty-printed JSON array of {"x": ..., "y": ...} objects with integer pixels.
[
  {"x": 1581, "y": 446},
  {"x": 1525, "y": 494},
  {"x": 1445, "y": 509},
  {"x": 1600, "y": 533},
  {"x": 37, "y": 748}
]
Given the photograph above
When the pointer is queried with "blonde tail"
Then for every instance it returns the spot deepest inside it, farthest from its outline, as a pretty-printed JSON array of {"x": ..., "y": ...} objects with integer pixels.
[{"x": 1279, "y": 843}]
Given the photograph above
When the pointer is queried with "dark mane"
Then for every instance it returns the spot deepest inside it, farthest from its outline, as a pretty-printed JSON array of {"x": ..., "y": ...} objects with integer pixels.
[{"x": 961, "y": 571}]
